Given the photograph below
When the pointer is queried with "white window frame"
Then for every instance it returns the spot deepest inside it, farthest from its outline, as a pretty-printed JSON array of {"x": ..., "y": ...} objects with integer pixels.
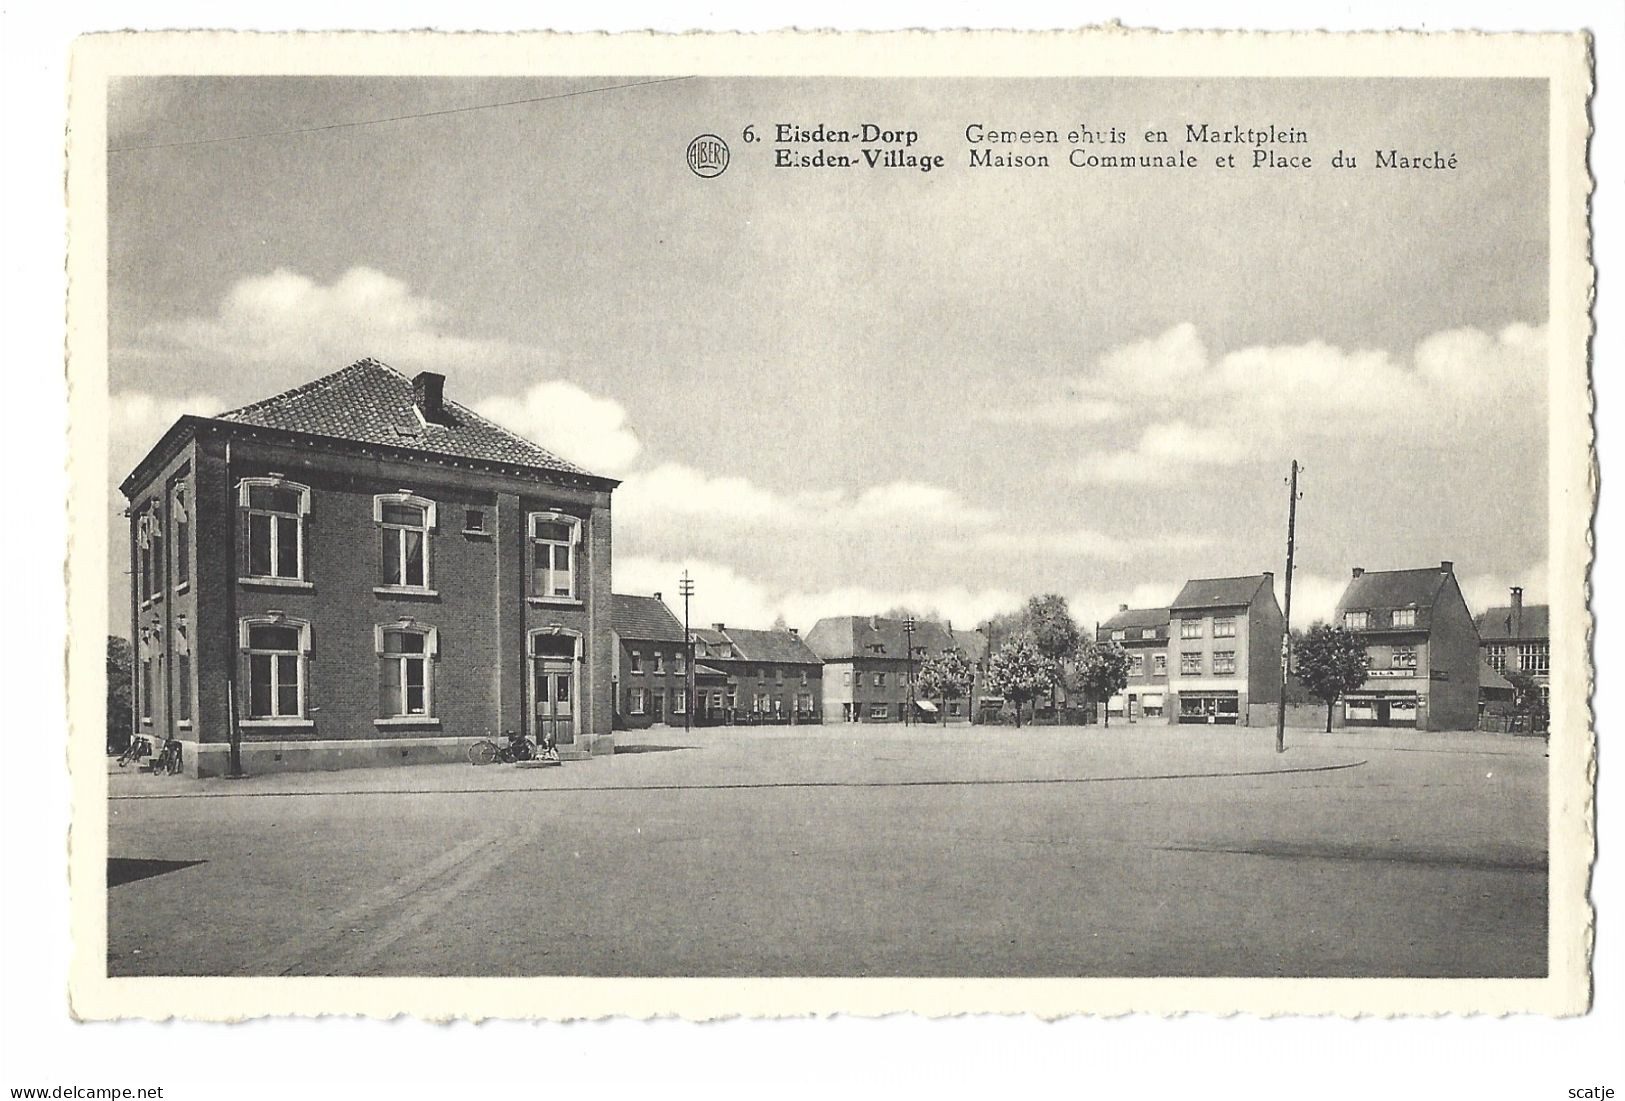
[
  {"x": 636, "y": 701},
  {"x": 637, "y": 660},
  {"x": 1197, "y": 655},
  {"x": 302, "y": 666},
  {"x": 244, "y": 488},
  {"x": 1408, "y": 653},
  {"x": 1192, "y": 628},
  {"x": 573, "y": 545},
  {"x": 1535, "y": 658},
  {"x": 408, "y": 499},
  {"x": 1409, "y": 620},
  {"x": 1224, "y": 626},
  {"x": 880, "y": 711},
  {"x": 1228, "y": 657},
  {"x": 431, "y": 652},
  {"x": 1136, "y": 665},
  {"x": 1356, "y": 621},
  {"x": 1496, "y": 656},
  {"x": 679, "y": 701},
  {"x": 660, "y": 661},
  {"x": 1159, "y": 664}
]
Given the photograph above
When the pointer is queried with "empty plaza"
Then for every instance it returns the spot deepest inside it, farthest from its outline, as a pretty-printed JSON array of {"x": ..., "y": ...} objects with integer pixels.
[{"x": 836, "y": 851}]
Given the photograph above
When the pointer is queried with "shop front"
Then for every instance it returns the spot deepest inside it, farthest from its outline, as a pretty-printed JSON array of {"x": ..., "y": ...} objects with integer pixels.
[
  {"x": 1382, "y": 709},
  {"x": 1216, "y": 707}
]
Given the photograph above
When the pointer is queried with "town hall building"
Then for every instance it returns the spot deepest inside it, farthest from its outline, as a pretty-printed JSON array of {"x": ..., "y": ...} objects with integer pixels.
[{"x": 361, "y": 572}]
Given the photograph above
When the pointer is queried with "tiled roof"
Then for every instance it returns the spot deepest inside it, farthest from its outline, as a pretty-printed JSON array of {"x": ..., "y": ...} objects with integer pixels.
[
  {"x": 772, "y": 646},
  {"x": 645, "y": 618},
  {"x": 371, "y": 402},
  {"x": 1489, "y": 678},
  {"x": 1496, "y": 624},
  {"x": 1220, "y": 592},
  {"x": 835, "y": 638},
  {"x": 1138, "y": 617},
  {"x": 1393, "y": 589}
]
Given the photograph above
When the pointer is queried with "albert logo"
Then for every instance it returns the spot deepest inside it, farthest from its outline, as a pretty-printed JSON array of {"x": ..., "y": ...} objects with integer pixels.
[{"x": 707, "y": 156}]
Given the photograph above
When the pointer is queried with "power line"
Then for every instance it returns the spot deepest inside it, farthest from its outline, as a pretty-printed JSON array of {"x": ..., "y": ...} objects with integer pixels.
[{"x": 394, "y": 118}]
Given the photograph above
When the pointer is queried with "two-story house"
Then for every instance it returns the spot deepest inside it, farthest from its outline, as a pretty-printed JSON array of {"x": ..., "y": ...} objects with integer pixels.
[
  {"x": 1224, "y": 651},
  {"x": 358, "y": 572},
  {"x": 1143, "y": 634},
  {"x": 651, "y": 663},
  {"x": 1423, "y": 649},
  {"x": 1518, "y": 637},
  {"x": 868, "y": 662},
  {"x": 745, "y": 676}
]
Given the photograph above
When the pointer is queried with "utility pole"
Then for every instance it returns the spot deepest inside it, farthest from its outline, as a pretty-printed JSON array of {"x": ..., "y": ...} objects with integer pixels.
[
  {"x": 908, "y": 630},
  {"x": 1286, "y": 637},
  {"x": 686, "y": 587}
]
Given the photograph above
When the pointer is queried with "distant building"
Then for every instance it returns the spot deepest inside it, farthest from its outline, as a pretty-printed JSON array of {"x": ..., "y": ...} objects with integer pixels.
[
  {"x": 1518, "y": 637},
  {"x": 1224, "y": 651},
  {"x": 651, "y": 663},
  {"x": 1423, "y": 646},
  {"x": 744, "y": 676},
  {"x": 867, "y": 662},
  {"x": 359, "y": 571},
  {"x": 1143, "y": 633}
]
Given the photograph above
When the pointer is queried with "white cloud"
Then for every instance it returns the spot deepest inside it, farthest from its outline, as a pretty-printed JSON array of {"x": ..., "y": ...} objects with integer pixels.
[
  {"x": 1487, "y": 590},
  {"x": 723, "y": 595},
  {"x": 562, "y": 417},
  {"x": 137, "y": 420},
  {"x": 1164, "y": 450}
]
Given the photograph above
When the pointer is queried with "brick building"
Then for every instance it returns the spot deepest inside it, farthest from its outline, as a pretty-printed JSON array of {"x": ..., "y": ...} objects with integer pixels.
[
  {"x": 1143, "y": 634},
  {"x": 867, "y": 663},
  {"x": 1224, "y": 651},
  {"x": 1517, "y": 636},
  {"x": 744, "y": 676},
  {"x": 1423, "y": 646},
  {"x": 651, "y": 663},
  {"x": 360, "y": 572}
]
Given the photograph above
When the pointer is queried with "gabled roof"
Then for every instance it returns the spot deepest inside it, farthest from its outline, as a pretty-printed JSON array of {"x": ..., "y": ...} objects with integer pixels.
[
  {"x": 1495, "y": 625},
  {"x": 781, "y": 646},
  {"x": 1378, "y": 589},
  {"x": 836, "y": 638},
  {"x": 1138, "y": 617},
  {"x": 1220, "y": 592},
  {"x": 644, "y": 618},
  {"x": 1489, "y": 678},
  {"x": 371, "y": 402}
]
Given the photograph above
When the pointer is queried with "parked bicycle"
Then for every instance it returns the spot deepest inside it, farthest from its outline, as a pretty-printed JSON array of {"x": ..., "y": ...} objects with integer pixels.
[
  {"x": 169, "y": 758},
  {"x": 135, "y": 751},
  {"x": 487, "y": 752}
]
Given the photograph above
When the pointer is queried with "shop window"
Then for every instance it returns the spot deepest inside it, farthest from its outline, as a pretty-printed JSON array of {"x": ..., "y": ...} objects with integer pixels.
[
  {"x": 406, "y": 671},
  {"x": 404, "y": 523},
  {"x": 554, "y": 538},
  {"x": 275, "y": 511},
  {"x": 1359, "y": 711}
]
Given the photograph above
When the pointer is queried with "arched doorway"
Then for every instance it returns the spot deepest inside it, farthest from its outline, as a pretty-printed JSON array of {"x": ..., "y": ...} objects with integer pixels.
[{"x": 554, "y": 686}]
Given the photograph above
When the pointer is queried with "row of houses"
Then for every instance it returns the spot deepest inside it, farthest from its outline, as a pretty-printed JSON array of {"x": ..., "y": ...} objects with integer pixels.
[
  {"x": 361, "y": 571},
  {"x": 1214, "y": 654}
]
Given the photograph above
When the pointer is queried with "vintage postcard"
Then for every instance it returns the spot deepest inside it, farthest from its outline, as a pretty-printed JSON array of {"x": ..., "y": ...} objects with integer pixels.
[{"x": 714, "y": 525}]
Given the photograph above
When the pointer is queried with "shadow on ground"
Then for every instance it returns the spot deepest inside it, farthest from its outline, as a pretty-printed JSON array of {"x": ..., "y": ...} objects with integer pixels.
[
  {"x": 122, "y": 870},
  {"x": 620, "y": 749}
]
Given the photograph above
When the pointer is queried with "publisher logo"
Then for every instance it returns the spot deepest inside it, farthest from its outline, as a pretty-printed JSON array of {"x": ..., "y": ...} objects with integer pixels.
[{"x": 707, "y": 156}]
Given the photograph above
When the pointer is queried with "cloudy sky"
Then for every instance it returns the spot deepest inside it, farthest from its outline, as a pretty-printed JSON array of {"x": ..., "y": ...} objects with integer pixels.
[{"x": 836, "y": 392}]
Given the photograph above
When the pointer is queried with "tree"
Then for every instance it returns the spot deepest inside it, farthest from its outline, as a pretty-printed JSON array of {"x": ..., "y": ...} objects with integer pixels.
[
  {"x": 947, "y": 676},
  {"x": 1526, "y": 697},
  {"x": 1054, "y": 630},
  {"x": 1019, "y": 671},
  {"x": 1330, "y": 661},
  {"x": 120, "y": 693},
  {"x": 1102, "y": 672}
]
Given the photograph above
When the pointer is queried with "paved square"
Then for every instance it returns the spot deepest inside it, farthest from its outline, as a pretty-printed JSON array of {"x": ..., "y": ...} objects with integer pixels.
[{"x": 850, "y": 851}]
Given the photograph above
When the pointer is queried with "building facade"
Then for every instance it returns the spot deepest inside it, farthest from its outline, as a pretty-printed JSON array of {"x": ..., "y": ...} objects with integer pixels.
[
  {"x": 1224, "y": 651},
  {"x": 1143, "y": 634},
  {"x": 651, "y": 663},
  {"x": 359, "y": 572},
  {"x": 755, "y": 677},
  {"x": 1518, "y": 637},
  {"x": 1423, "y": 648},
  {"x": 868, "y": 662}
]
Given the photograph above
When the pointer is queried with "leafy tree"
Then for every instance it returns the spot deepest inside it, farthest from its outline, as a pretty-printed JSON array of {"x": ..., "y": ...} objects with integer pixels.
[
  {"x": 1054, "y": 630},
  {"x": 1019, "y": 671},
  {"x": 1102, "y": 672},
  {"x": 120, "y": 692},
  {"x": 1526, "y": 697},
  {"x": 947, "y": 676},
  {"x": 1330, "y": 661},
  {"x": 779, "y": 623}
]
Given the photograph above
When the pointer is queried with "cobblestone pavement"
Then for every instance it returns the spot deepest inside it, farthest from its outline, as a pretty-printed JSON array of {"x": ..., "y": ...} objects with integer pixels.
[{"x": 856, "y": 851}]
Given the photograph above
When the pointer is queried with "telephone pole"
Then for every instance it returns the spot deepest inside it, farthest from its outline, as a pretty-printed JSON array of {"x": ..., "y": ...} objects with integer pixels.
[
  {"x": 1286, "y": 637},
  {"x": 686, "y": 587},
  {"x": 908, "y": 630}
]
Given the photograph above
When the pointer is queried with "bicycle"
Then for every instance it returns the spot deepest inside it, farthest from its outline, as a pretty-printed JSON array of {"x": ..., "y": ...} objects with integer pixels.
[
  {"x": 487, "y": 752},
  {"x": 169, "y": 759},
  {"x": 135, "y": 751}
]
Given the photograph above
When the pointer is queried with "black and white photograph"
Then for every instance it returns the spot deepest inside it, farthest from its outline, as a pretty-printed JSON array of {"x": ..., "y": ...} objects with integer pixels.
[{"x": 659, "y": 515}]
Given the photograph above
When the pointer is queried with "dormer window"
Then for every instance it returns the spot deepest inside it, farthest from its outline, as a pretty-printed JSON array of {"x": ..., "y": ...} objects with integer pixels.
[
  {"x": 404, "y": 523},
  {"x": 1356, "y": 621},
  {"x": 1404, "y": 617}
]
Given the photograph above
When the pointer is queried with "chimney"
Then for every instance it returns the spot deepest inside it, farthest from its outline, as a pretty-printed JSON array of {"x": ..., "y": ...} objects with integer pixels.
[
  {"x": 428, "y": 394},
  {"x": 795, "y": 632},
  {"x": 1122, "y": 607},
  {"x": 658, "y": 597},
  {"x": 719, "y": 627},
  {"x": 1446, "y": 566},
  {"x": 1359, "y": 571},
  {"x": 1517, "y": 611}
]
